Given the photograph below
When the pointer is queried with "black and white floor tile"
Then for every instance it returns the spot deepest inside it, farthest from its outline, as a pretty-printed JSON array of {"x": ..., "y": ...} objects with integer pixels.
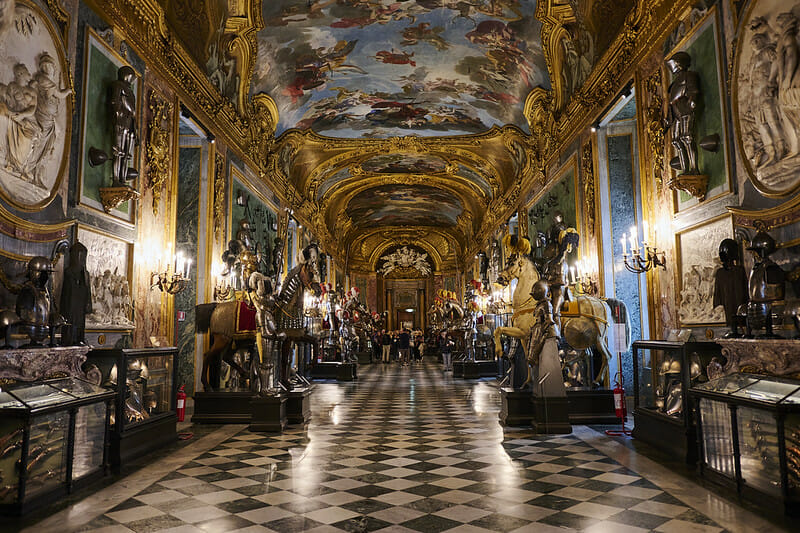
[{"x": 405, "y": 450}]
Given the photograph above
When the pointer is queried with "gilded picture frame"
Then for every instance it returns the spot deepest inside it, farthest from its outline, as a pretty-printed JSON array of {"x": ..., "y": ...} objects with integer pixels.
[
  {"x": 703, "y": 43},
  {"x": 697, "y": 251},
  {"x": 38, "y": 102},
  {"x": 767, "y": 127},
  {"x": 561, "y": 194},
  {"x": 110, "y": 258},
  {"x": 101, "y": 63}
]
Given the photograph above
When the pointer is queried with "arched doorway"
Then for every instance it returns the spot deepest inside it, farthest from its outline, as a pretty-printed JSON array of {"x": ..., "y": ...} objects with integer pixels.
[{"x": 405, "y": 282}]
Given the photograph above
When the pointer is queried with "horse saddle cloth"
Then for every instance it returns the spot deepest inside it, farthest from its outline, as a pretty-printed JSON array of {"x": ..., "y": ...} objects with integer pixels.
[{"x": 245, "y": 318}]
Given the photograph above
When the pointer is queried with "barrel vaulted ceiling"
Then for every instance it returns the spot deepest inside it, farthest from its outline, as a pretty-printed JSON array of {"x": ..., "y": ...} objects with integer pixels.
[{"x": 393, "y": 122}]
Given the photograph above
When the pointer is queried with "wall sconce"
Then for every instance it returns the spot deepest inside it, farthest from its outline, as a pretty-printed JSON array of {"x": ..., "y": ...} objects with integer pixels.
[
  {"x": 644, "y": 258},
  {"x": 582, "y": 279},
  {"x": 222, "y": 289},
  {"x": 177, "y": 281}
]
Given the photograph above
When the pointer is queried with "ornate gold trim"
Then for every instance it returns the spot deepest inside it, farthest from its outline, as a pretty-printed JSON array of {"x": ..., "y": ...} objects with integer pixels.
[
  {"x": 219, "y": 196},
  {"x": 775, "y": 217},
  {"x": 111, "y": 197},
  {"x": 66, "y": 76},
  {"x": 158, "y": 146}
]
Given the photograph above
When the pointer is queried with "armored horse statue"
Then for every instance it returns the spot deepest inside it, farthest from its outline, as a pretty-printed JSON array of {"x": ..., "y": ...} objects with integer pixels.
[
  {"x": 585, "y": 320},
  {"x": 259, "y": 311}
]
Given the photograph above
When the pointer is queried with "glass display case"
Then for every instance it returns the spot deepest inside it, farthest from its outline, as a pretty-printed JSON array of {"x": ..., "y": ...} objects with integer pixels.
[
  {"x": 53, "y": 436},
  {"x": 143, "y": 416},
  {"x": 749, "y": 435},
  {"x": 663, "y": 372}
]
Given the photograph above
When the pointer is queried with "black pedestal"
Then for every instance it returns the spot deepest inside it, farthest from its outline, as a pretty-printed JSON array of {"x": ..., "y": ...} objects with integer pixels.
[
  {"x": 268, "y": 413},
  {"x": 364, "y": 358},
  {"x": 458, "y": 369},
  {"x": 222, "y": 407},
  {"x": 477, "y": 369},
  {"x": 347, "y": 372},
  {"x": 298, "y": 405},
  {"x": 325, "y": 370},
  {"x": 551, "y": 415},
  {"x": 517, "y": 409},
  {"x": 591, "y": 406}
]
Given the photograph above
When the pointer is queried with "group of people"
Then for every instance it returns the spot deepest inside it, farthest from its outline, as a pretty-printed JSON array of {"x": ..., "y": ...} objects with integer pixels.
[{"x": 402, "y": 345}]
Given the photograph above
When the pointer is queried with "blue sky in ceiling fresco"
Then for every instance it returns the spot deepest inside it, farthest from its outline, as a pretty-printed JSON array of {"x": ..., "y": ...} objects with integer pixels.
[
  {"x": 379, "y": 68},
  {"x": 405, "y": 205}
]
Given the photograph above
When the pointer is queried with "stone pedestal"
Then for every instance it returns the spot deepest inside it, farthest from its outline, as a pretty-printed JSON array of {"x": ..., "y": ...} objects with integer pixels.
[
  {"x": 551, "y": 415},
  {"x": 31, "y": 364},
  {"x": 298, "y": 405},
  {"x": 478, "y": 369},
  {"x": 268, "y": 413},
  {"x": 516, "y": 409}
]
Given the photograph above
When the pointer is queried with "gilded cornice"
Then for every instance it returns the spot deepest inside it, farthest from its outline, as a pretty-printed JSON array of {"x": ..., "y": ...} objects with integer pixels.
[
  {"x": 247, "y": 125},
  {"x": 645, "y": 26}
]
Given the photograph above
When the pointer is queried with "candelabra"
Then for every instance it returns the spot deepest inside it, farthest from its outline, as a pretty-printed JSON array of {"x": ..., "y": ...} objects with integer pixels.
[
  {"x": 641, "y": 259},
  {"x": 175, "y": 282},
  {"x": 223, "y": 293},
  {"x": 582, "y": 279},
  {"x": 585, "y": 285}
]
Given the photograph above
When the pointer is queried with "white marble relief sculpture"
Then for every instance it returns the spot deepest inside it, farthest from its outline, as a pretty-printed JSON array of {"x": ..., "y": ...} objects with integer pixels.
[
  {"x": 107, "y": 264},
  {"x": 34, "y": 106},
  {"x": 767, "y": 103}
]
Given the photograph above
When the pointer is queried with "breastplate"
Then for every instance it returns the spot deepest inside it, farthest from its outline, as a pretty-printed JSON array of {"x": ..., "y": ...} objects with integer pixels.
[{"x": 767, "y": 283}]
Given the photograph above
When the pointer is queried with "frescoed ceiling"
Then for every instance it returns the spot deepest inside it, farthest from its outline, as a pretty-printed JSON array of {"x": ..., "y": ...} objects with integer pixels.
[
  {"x": 411, "y": 205},
  {"x": 379, "y": 68}
]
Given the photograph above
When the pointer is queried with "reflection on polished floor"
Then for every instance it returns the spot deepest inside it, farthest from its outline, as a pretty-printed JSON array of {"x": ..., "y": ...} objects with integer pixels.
[{"x": 403, "y": 449}]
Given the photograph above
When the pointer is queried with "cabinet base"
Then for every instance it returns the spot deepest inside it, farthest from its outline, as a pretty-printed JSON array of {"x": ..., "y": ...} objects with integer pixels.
[
  {"x": 667, "y": 434},
  {"x": 137, "y": 441}
]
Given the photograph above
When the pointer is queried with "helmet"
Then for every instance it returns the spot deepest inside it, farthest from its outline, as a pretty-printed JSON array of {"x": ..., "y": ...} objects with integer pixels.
[
  {"x": 728, "y": 250},
  {"x": 541, "y": 290},
  {"x": 763, "y": 244},
  {"x": 679, "y": 59}
]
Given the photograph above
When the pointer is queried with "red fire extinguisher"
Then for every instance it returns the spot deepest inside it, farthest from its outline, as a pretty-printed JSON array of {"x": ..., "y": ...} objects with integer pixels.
[
  {"x": 620, "y": 408},
  {"x": 181, "y": 409}
]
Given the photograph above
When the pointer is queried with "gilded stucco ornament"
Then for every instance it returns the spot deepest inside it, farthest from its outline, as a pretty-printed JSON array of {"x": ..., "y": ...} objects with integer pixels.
[
  {"x": 587, "y": 174},
  {"x": 219, "y": 196},
  {"x": 655, "y": 128},
  {"x": 158, "y": 149}
]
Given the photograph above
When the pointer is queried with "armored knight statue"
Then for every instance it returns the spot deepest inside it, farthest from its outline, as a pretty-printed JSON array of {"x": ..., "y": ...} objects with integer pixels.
[
  {"x": 33, "y": 301},
  {"x": 730, "y": 284},
  {"x": 767, "y": 285},
  {"x": 684, "y": 97},
  {"x": 543, "y": 345},
  {"x": 122, "y": 102},
  {"x": 555, "y": 269},
  {"x": 76, "y": 296}
]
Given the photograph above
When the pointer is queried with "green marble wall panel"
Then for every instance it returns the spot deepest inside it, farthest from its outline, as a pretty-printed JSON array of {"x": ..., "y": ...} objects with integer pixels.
[{"x": 186, "y": 237}]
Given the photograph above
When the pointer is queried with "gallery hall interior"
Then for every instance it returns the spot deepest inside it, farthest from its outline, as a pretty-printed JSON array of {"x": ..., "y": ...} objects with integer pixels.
[{"x": 405, "y": 266}]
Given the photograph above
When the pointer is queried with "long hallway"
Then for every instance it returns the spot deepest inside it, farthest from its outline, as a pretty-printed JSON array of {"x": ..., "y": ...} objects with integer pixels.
[{"x": 403, "y": 449}]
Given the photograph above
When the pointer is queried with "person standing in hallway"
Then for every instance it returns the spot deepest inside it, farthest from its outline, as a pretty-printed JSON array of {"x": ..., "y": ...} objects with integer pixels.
[
  {"x": 404, "y": 346},
  {"x": 447, "y": 352},
  {"x": 386, "y": 345}
]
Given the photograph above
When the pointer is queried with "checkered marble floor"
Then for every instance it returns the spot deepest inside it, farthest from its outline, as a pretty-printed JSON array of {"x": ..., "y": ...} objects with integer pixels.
[{"x": 402, "y": 449}]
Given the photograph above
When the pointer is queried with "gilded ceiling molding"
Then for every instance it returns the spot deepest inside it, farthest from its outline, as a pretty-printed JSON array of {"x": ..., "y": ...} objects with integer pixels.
[
  {"x": 247, "y": 125},
  {"x": 644, "y": 27}
]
